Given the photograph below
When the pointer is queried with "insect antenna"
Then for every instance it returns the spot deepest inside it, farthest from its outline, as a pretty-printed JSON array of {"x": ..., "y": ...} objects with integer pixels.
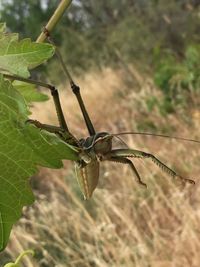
[{"x": 158, "y": 135}]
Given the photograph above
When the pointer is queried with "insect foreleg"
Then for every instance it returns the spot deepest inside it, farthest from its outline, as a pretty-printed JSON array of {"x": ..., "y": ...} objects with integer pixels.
[
  {"x": 130, "y": 163},
  {"x": 60, "y": 115},
  {"x": 140, "y": 154},
  {"x": 74, "y": 87},
  {"x": 88, "y": 122}
]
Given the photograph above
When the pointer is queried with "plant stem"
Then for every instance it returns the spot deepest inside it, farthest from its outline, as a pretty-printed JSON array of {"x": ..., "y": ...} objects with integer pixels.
[
  {"x": 23, "y": 254},
  {"x": 64, "y": 4}
]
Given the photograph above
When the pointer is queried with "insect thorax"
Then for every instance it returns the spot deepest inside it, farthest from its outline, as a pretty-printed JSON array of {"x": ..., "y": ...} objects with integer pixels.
[{"x": 98, "y": 144}]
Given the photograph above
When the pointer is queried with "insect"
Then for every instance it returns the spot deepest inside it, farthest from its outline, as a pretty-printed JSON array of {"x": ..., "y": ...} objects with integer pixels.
[{"x": 97, "y": 147}]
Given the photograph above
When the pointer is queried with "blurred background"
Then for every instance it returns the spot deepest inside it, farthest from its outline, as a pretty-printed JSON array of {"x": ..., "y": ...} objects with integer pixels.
[{"x": 138, "y": 64}]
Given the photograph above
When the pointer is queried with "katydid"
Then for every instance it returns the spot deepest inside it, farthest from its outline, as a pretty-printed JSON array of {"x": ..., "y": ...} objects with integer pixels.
[{"x": 98, "y": 146}]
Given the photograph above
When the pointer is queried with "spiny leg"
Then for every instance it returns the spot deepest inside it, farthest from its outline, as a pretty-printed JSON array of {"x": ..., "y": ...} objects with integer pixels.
[
  {"x": 130, "y": 163},
  {"x": 75, "y": 88},
  {"x": 140, "y": 154}
]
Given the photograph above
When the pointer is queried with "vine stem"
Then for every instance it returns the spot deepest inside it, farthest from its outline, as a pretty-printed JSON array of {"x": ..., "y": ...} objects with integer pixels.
[
  {"x": 64, "y": 4},
  {"x": 23, "y": 254}
]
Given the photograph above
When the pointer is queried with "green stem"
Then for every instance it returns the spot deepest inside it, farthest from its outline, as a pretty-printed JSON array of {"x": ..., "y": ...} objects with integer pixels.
[
  {"x": 64, "y": 4},
  {"x": 23, "y": 254}
]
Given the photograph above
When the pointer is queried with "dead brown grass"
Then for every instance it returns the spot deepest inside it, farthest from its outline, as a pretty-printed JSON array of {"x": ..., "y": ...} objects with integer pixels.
[{"x": 123, "y": 224}]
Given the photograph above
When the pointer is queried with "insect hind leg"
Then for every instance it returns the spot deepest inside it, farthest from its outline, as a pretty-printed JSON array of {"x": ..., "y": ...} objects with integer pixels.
[
  {"x": 133, "y": 153},
  {"x": 124, "y": 160},
  {"x": 167, "y": 170}
]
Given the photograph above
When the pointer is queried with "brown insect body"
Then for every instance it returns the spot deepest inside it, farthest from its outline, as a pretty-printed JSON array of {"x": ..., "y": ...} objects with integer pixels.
[{"x": 87, "y": 169}]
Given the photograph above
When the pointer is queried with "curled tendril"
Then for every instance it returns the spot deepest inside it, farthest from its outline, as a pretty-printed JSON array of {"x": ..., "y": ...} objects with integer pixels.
[{"x": 17, "y": 262}]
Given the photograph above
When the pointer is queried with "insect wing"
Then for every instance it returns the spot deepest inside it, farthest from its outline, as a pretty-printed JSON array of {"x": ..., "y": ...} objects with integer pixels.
[{"x": 88, "y": 177}]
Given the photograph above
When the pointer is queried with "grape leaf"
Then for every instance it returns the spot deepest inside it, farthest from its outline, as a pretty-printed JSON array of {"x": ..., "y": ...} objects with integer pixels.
[
  {"x": 16, "y": 57},
  {"x": 13, "y": 36},
  {"x": 29, "y": 92},
  {"x": 22, "y": 148}
]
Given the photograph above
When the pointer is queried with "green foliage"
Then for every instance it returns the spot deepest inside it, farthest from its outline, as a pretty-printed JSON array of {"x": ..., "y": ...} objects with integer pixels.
[
  {"x": 132, "y": 41},
  {"x": 89, "y": 36},
  {"x": 26, "y": 17},
  {"x": 29, "y": 92},
  {"x": 90, "y": 32},
  {"x": 178, "y": 78},
  {"x": 17, "y": 56},
  {"x": 23, "y": 147}
]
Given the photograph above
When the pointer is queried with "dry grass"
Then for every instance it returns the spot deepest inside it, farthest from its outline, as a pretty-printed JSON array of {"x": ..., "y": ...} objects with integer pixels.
[{"x": 123, "y": 224}]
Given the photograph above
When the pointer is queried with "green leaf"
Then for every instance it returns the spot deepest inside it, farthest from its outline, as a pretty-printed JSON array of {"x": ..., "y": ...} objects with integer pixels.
[
  {"x": 17, "y": 57},
  {"x": 29, "y": 92},
  {"x": 12, "y": 36},
  {"x": 22, "y": 148}
]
